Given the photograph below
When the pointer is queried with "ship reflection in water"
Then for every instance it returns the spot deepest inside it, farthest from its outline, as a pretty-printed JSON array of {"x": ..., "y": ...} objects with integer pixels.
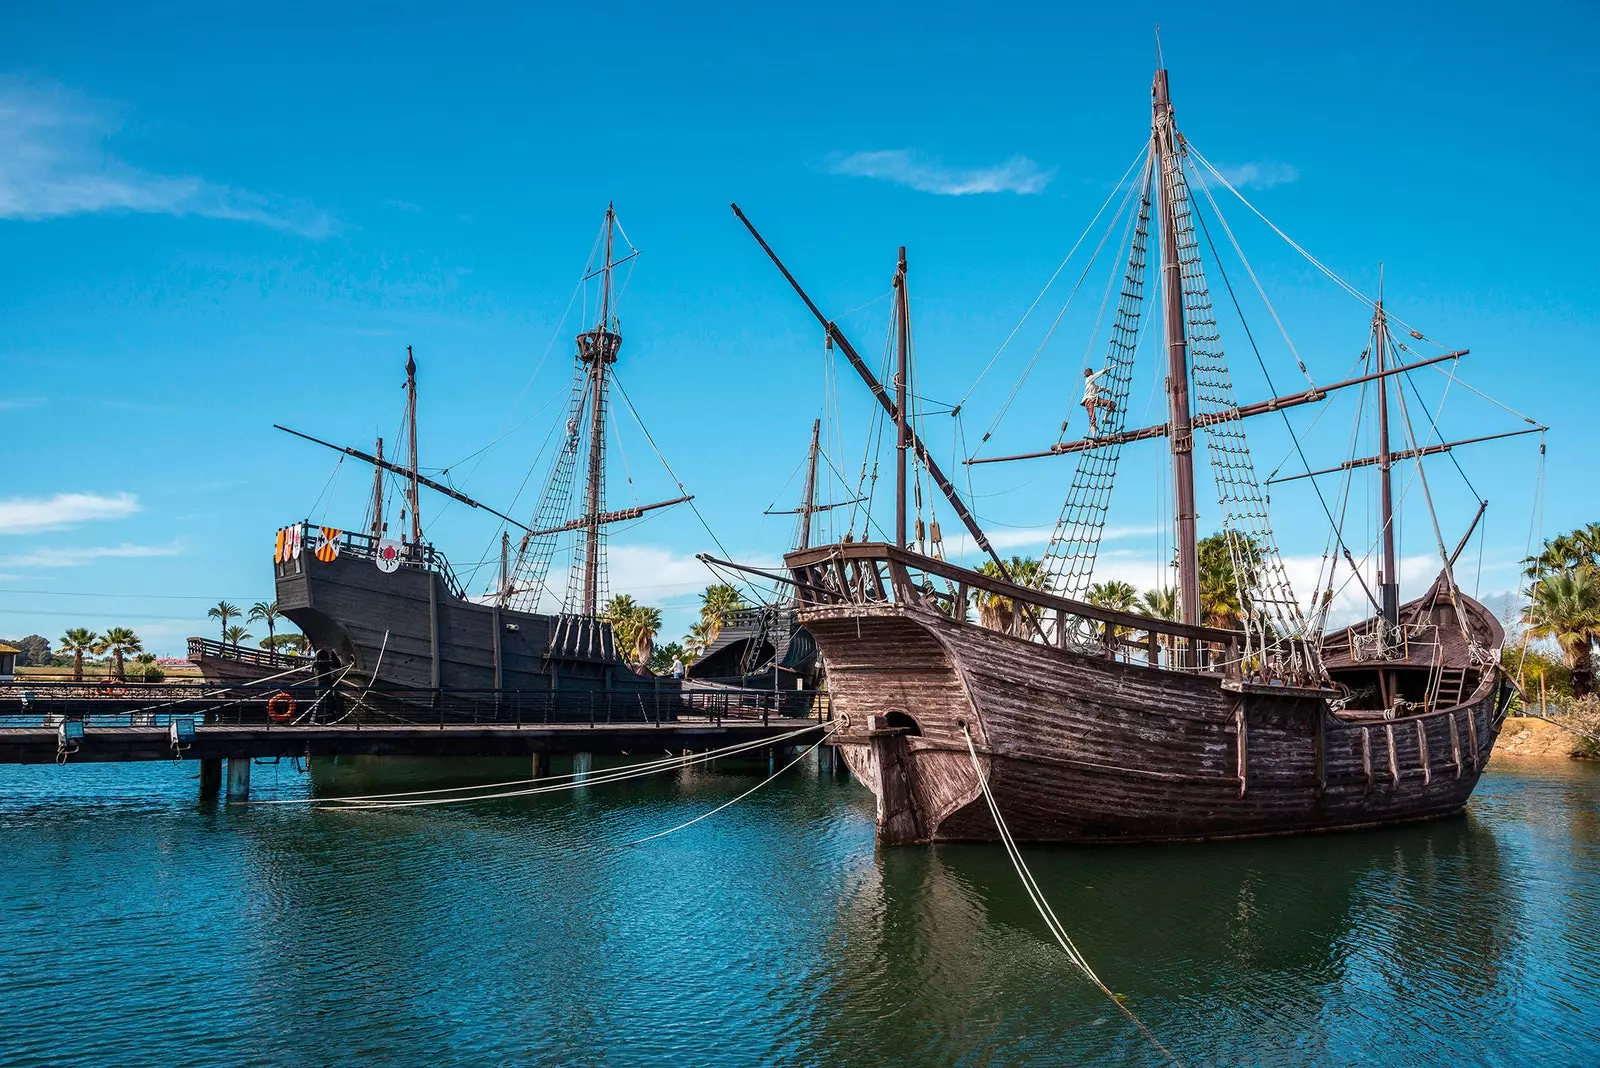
[{"x": 772, "y": 933}]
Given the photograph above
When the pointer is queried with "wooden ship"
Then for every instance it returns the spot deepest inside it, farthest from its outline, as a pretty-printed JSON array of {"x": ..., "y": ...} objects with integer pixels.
[
  {"x": 766, "y": 646},
  {"x": 1098, "y": 725},
  {"x": 390, "y": 611}
]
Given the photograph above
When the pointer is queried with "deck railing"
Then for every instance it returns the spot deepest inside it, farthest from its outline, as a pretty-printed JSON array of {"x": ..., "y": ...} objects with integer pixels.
[
  {"x": 200, "y": 648},
  {"x": 868, "y": 573},
  {"x": 363, "y": 546}
]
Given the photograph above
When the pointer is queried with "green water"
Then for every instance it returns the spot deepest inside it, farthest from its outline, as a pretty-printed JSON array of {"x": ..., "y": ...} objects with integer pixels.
[{"x": 138, "y": 927}]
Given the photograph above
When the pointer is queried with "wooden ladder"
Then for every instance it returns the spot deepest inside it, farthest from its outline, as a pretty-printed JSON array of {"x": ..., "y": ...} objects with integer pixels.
[{"x": 1452, "y": 684}]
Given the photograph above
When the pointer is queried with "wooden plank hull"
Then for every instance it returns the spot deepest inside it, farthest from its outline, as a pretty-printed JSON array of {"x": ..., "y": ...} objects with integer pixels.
[
  {"x": 1086, "y": 748},
  {"x": 406, "y": 630}
]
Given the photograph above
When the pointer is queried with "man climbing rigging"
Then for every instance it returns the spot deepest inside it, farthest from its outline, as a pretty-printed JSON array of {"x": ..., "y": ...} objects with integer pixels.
[{"x": 1093, "y": 402}]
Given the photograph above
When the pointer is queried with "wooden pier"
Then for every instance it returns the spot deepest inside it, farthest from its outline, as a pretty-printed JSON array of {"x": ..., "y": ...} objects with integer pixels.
[{"x": 65, "y": 724}]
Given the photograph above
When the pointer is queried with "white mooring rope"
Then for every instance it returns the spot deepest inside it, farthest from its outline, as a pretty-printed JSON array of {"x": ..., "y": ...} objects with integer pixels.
[
  {"x": 1045, "y": 912},
  {"x": 552, "y": 784}
]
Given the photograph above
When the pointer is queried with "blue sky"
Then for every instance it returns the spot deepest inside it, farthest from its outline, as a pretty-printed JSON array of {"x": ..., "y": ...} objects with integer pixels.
[{"x": 211, "y": 222}]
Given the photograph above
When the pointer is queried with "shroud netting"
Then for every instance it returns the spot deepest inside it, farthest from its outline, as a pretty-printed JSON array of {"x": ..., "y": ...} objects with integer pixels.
[
  {"x": 1069, "y": 559},
  {"x": 1274, "y": 620}
]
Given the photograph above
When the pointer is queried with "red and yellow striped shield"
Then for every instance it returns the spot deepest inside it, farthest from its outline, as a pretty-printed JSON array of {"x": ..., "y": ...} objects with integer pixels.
[{"x": 328, "y": 545}]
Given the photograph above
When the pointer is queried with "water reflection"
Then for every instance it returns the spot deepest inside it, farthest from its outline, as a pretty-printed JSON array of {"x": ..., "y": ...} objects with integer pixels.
[{"x": 518, "y": 931}]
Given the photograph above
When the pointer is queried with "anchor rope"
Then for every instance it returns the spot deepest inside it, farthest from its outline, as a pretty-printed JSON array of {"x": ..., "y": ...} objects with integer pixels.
[
  {"x": 1039, "y": 902},
  {"x": 741, "y": 797},
  {"x": 552, "y": 784}
]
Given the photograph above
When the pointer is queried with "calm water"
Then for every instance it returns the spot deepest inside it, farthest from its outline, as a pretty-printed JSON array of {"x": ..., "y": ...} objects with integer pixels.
[{"x": 137, "y": 927}]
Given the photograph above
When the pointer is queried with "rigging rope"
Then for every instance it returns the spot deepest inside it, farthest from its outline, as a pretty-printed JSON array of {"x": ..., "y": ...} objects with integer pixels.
[
  {"x": 552, "y": 783},
  {"x": 1057, "y": 930},
  {"x": 741, "y": 797},
  {"x": 1141, "y": 154}
]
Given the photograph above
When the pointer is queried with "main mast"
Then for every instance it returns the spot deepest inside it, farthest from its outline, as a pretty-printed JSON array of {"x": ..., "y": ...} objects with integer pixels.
[
  {"x": 597, "y": 348},
  {"x": 1181, "y": 431}
]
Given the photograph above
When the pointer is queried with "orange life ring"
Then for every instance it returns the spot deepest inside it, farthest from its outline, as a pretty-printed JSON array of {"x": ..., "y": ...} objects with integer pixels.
[
  {"x": 280, "y": 707},
  {"x": 111, "y": 688}
]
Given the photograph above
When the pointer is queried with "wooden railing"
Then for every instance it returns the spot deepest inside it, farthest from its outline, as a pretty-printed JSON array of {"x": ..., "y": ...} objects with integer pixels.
[
  {"x": 364, "y": 546},
  {"x": 267, "y": 658},
  {"x": 865, "y": 573}
]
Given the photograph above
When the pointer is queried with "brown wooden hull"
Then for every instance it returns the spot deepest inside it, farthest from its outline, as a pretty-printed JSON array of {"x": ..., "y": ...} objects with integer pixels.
[{"x": 1087, "y": 748}]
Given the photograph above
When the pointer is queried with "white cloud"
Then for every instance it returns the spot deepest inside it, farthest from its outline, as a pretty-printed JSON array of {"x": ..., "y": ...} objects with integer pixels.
[
  {"x": 69, "y": 557},
  {"x": 29, "y": 515},
  {"x": 1259, "y": 175},
  {"x": 1019, "y": 174},
  {"x": 11, "y": 404},
  {"x": 55, "y": 163}
]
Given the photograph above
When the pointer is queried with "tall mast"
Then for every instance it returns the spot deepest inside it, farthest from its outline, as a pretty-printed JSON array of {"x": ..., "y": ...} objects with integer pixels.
[
  {"x": 1181, "y": 436},
  {"x": 808, "y": 504},
  {"x": 598, "y": 348},
  {"x": 411, "y": 421},
  {"x": 902, "y": 441},
  {"x": 505, "y": 567},
  {"x": 377, "y": 495},
  {"x": 1389, "y": 581}
]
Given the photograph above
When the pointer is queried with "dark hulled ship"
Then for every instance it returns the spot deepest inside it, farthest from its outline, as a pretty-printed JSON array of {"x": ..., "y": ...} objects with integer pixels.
[
  {"x": 1092, "y": 723},
  {"x": 390, "y": 611}
]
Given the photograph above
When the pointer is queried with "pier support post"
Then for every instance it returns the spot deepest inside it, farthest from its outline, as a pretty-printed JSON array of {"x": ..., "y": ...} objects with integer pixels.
[
  {"x": 839, "y": 766},
  {"x": 210, "y": 778},
  {"x": 582, "y": 765},
  {"x": 238, "y": 778},
  {"x": 540, "y": 765}
]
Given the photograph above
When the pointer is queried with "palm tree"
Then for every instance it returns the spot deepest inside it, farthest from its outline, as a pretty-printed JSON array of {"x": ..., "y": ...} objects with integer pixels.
[
  {"x": 118, "y": 641},
  {"x": 646, "y": 625},
  {"x": 996, "y": 611},
  {"x": 1565, "y": 605},
  {"x": 619, "y": 612},
  {"x": 717, "y": 605},
  {"x": 697, "y": 641},
  {"x": 77, "y": 641},
  {"x": 234, "y": 635},
  {"x": 267, "y": 612},
  {"x": 1566, "y": 552},
  {"x": 1116, "y": 595},
  {"x": 1160, "y": 604},
  {"x": 222, "y": 612}
]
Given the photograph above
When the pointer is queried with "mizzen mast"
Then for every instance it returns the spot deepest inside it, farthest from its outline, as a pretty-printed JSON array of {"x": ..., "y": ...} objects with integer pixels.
[
  {"x": 1389, "y": 580},
  {"x": 808, "y": 503},
  {"x": 413, "y": 482},
  {"x": 902, "y": 441},
  {"x": 1180, "y": 438}
]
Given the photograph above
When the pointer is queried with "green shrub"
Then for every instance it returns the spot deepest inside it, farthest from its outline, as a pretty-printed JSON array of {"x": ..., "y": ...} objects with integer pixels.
[
  {"x": 154, "y": 674},
  {"x": 1582, "y": 715}
]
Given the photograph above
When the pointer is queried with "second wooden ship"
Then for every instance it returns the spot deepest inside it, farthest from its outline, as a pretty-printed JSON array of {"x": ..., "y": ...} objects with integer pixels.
[{"x": 390, "y": 611}]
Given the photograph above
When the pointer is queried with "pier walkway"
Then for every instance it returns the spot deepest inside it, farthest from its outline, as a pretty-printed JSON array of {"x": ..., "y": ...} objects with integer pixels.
[{"x": 64, "y": 723}]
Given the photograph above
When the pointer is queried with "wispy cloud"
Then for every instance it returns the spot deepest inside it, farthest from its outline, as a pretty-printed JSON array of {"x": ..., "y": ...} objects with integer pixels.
[
  {"x": 56, "y": 163},
  {"x": 1019, "y": 174},
  {"x": 29, "y": 515},
  {"x": 1259, "y": 175},
  {"x": 11, "y": 404},
  {"x": 64, "y": 557}
]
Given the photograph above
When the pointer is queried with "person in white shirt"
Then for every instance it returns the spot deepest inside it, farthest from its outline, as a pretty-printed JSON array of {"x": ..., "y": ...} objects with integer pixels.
[
  {"x": 677, "y": 667},
  {"x": 1093, "y": 402}
]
